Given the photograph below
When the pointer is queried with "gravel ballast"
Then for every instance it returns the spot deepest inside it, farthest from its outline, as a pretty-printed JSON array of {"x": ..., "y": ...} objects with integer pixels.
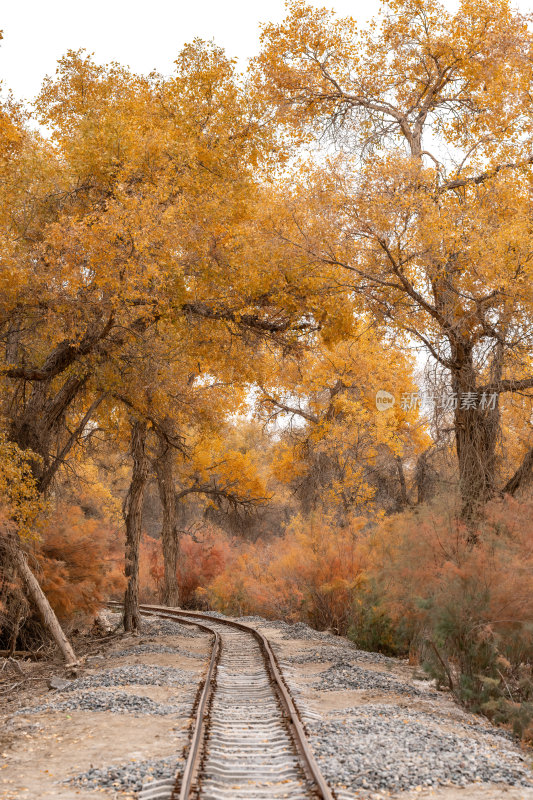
[
  {"x": 291, "y": 630},
  {"x": 153, "y": 626},
  {"x": 129, "y": 777},
  {"x": 383, "y": 748},
  {"x": 341, "y": 653},
  {"x": 345, "y": 675},
  {"x": 376, "y": 730},
  {"x": 115, "y": 702},
  {"x": 143, "y": 649},
  {"x": 135, "y": 675},
  {"x": 165, "y": 627}
]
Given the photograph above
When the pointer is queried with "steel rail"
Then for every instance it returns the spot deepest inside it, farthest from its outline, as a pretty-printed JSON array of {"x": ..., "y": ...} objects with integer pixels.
[
  {"x": 198, "y": 727},
  {"x": 290, "y": 710}
]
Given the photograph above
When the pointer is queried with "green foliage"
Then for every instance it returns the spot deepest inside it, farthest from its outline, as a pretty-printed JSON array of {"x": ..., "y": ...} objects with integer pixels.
[{"x": 372, "y": 627}]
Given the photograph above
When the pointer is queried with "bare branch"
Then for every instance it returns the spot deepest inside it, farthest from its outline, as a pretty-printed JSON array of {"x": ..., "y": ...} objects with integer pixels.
[
  {"x": 289, "y": 409},
  {"x": 510, "y": 385},
  {"x": 522, "y": 474},
  {"x": 475, "y": 180}
]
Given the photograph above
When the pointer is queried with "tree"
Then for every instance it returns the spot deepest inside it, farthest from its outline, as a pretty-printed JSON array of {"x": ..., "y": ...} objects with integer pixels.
[
  {"x": 426, "y": 212},
  {"x": 142, "y": 210},
  {"x": 133, "y": 519},
  {"x": 140, "y": 213},
  {"x": 339, "y": 451},
  {"x": 164, "y": 470}
]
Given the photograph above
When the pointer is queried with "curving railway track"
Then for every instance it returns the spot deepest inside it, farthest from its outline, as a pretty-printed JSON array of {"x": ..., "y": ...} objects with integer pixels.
[{"x": 247, "y": 741}]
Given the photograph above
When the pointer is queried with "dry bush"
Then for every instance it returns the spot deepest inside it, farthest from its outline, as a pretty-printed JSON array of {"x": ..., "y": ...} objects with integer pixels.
[
  {"x": 414, "y": 584},
  {"x": 203, "y": 557},
  {"x": 150, "y": 569},
  {"x": 312, "y": 573},
  {"x": 202, "y": 560},
  {"x": 13, "y": 604},
  {"x": 80, "y": 561},
  {"x": 467, "y": 609}
]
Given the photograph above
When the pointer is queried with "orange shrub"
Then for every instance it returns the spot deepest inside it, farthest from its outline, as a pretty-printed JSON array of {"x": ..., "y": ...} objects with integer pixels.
[
  {"x": 468, "y": 609},
  {"x": 202, "y": 558},
  {"x": 150, "y": 570},
  {"x": 201, "y": 561},
  {"x": 415, "y": 582},
  {"x": 424, "y": 558},
  {"x": 312, "y": 573},
  {"x": 81, "y": 561}
]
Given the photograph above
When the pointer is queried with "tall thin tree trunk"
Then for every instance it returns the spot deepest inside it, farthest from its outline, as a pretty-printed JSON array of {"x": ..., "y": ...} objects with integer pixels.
[
  {"x": 133, "y": 517},
  {"x": 522, "y": 475},
  {"x": 403, "y": 500},
  {"x": 424, "y": 477},
  {"x": 46, "y": 612},
  {"x": 476, "y": 436},
  {"x": 169, "y": 535}
]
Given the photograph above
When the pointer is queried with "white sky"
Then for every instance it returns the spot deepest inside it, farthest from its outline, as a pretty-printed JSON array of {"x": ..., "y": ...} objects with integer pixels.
[{"x": 143, "y": 34}]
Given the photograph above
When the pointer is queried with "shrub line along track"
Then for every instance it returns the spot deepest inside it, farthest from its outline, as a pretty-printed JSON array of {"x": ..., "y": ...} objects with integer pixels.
[{"x": 243, "y": 710}]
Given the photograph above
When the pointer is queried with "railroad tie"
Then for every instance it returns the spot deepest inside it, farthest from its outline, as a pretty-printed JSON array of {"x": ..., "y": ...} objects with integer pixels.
[{"x": 247, "y": 741}]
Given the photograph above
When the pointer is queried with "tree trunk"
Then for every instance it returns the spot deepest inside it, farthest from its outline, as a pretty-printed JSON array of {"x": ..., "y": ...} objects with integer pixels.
[
  {"x": 133, "y": 517},
  {"x": 425, "y": 478},
  {"x": 169, "y": 535},
  {"x": 35, "y": 427},
  {"x": 403, "y": 501},
  {"x": 476, "y": 436},
  {"x": 46, "y": 612}
]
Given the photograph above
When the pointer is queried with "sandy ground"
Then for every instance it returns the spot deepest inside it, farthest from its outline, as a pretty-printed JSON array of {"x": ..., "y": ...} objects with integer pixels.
[
  {"x": 40, "y": 751},
  {"x": 453, "y": 716},
  {"x": 489, "y": 792}
]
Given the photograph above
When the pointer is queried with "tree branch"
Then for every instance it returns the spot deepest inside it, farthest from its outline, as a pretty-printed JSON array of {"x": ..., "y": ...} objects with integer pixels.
[
  {"x": 475, "y": 180},
  {"x": 521, "y": 475},
  {"x": 509, "y": 385},
  {"x": 63, "y": 355},
  {"x": 73, "y": 438},
  {"x": 289, "y": 409}
]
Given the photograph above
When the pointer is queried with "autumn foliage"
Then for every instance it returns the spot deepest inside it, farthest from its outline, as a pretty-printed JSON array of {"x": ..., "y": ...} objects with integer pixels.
[
  {"x": 411, "y": 585},
  {"x": 311, "y": 574},
  {"x": 80, "y": 562},
  {"x": 208, "y": 278},
  {"x": 204, "y": 556},
  {"x": 465, "y": 609}
]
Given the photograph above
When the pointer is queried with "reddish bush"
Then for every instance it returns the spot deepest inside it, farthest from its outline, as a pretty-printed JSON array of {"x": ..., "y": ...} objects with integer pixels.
[
  {"x": 202, "y": 558},
  {"x": 312, "y": 573},
  {"x": 150, "y": 570},
  {"x": 81, "y": 561},
  {"x": 467, "y": 608}
]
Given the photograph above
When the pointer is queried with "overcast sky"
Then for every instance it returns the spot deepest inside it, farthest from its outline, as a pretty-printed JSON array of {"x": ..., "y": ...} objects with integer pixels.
[{"x": 144, "y": 35}]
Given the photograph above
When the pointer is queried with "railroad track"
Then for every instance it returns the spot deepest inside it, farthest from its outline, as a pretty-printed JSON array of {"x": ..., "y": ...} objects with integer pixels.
[{"x": 247, "y": 741}]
